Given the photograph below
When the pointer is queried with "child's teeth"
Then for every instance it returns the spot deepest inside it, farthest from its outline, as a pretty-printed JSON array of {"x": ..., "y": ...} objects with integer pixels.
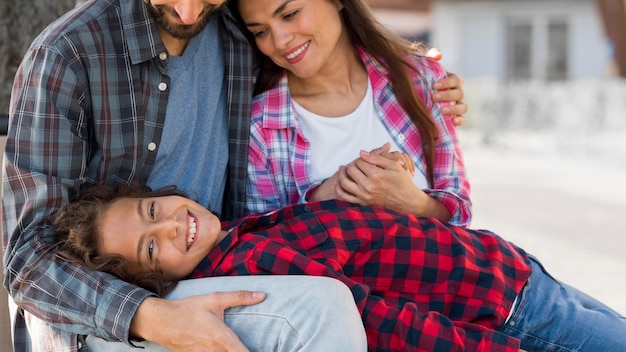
[{"x": 192, "y": 230}]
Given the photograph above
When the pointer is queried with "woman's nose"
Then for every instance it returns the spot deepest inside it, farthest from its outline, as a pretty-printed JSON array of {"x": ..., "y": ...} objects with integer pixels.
[{"x": 282, "y": 37}]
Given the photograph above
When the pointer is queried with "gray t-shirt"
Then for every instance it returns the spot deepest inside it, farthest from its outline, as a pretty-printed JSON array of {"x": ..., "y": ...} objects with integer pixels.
[{"x": 193, "y": 154}]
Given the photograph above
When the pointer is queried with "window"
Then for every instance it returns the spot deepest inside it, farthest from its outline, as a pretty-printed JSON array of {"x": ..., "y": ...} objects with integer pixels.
[
  {"x": 519, "y": 50},
  {"x": 558, "y": 48}
]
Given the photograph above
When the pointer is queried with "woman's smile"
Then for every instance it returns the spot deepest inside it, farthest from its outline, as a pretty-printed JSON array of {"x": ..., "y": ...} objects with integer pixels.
[{"x": 295, "y": 55}]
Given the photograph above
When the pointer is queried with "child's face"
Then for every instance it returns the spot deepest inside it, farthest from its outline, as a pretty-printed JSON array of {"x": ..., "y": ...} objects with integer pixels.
[{"x": 171, "y": 234}]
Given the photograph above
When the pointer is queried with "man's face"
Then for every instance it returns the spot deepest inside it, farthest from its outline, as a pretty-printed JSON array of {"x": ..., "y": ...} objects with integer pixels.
[{"x": 183, "y": 19}]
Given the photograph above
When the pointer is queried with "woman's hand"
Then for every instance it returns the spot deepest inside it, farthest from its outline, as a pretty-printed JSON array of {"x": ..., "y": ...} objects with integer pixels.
[
  {"x": 327, "y": 190},
  {"x": 380, "y": 178},
  {"x": 403, "y": 158}
]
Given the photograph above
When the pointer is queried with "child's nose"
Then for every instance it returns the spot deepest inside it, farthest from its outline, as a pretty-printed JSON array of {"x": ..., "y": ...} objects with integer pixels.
[{"x": 167, "y": 228}]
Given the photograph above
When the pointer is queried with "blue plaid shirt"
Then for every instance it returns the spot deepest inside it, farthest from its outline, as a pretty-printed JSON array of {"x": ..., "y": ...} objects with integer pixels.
[{"x": 88, "y": 107}]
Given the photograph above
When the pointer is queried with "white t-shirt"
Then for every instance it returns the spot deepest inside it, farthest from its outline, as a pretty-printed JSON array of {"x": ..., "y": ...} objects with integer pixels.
[{"x": 337, "y": 141}]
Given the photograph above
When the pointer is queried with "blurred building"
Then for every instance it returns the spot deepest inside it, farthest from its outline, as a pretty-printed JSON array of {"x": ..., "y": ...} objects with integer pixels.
[
  {"x": 411, "y": 19},
  {"x": 511, "y": 40},
  {"x": 514, "y": 40}
]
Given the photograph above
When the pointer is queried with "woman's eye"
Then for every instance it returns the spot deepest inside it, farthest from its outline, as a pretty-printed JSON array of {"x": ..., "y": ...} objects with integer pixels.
[
  {"x": 151, "y": 211},
  {"x": 259, "y": 34},
  {"x": 291, "y": 14},
  {"x": 150, "y": 249}
]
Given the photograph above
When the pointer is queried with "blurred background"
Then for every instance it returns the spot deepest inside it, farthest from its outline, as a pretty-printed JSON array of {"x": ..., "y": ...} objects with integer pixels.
[{"x": 545, "y": 137}]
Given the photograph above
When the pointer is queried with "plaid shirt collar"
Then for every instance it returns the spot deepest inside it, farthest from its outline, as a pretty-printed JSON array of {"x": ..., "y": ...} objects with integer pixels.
[{"x": 144, "y": 41}]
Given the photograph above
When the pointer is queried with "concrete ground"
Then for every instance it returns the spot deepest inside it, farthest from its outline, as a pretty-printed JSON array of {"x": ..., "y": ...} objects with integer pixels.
[{"x": 568, "y": 212}]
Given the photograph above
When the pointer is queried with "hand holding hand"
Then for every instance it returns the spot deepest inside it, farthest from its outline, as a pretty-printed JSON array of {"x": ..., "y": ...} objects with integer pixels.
[
  {"x": 327, "y": 190},
  {"x": 379, "y": 178},
  {"x": 403, "y": 158},
  {"x": 192, "y": 324}
]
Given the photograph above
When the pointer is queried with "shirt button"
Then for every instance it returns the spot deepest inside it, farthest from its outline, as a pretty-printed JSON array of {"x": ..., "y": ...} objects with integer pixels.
[
  {"x": 307, "y": 208},
  {"x": 152, "y": 146},
  {"x": 254, "y": 80},
  {"x": 162, "y": 86},
  {"x": 163, "y": 55},
  {"x": 400, "y": 138}
]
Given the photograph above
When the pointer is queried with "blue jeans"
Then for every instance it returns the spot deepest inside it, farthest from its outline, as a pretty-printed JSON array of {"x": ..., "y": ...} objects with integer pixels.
[
  {"x": 552, "y": 316},
  {"x": 300, "y": 313}
]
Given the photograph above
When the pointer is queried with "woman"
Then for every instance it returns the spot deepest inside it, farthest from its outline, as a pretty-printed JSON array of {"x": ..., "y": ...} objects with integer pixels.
[
  {"x": 334, "y": 82},
  {"x": 419, "y": 284}
]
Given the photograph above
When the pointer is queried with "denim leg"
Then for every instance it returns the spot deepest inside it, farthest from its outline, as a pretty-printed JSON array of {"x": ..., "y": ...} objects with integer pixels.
[
  {"x": 552, "y": 316},
  {"x": 300, "y": 313}
]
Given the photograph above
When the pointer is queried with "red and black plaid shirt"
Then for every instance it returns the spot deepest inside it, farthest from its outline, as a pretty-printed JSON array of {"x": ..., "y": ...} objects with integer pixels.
[{"x": 419, "y": 284}]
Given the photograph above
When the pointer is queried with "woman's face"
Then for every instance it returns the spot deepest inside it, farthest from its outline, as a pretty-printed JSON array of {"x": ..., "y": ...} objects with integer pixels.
[
  {"x": 168, "y": 234},
  {"x": 298, "y": 35}
]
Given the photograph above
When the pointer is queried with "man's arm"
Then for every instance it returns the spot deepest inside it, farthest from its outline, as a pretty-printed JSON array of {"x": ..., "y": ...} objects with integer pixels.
[
  {"x": 49, "y": 152},
  {"x": 46, "y": 161}
]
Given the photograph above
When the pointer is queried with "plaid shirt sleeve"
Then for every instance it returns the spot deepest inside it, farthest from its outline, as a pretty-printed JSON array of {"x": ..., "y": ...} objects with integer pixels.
[
  {"x": 277, "y": 167},
  {"x": 452, "y": 187},
  {"x": 45, "y": 162},
  {"x": 264, "y": 191}
]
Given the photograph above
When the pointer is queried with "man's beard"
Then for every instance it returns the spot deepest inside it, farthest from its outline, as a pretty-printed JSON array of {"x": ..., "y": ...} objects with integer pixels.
[{"x": 180, "y": 31}]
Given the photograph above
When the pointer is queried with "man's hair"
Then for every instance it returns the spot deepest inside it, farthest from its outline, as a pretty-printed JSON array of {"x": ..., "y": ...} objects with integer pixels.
[
  {"x": 394, "y": 53},
  {"x": 77, "y": 226}
]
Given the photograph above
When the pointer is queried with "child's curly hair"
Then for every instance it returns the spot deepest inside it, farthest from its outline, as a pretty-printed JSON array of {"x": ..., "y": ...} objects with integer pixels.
[{"x": 76, "y": 228}]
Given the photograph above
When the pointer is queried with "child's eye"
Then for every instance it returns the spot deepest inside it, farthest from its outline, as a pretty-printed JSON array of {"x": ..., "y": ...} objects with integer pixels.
[
  {"x": 150, "y": 249},
  {"x": 151, "y": 211}
]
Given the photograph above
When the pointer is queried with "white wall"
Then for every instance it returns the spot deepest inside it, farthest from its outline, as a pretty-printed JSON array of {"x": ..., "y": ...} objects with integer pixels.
[{"x": 472, "y": 36}]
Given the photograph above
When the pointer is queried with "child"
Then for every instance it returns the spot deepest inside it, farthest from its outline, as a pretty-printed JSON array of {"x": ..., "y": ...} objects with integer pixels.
[{"x": 419, "y": 284}]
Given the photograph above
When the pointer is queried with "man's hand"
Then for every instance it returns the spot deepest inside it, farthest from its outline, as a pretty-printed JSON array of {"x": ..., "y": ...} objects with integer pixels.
[
  {"x": 192, "y": 324},
  {"x": 450, "y": 90}
]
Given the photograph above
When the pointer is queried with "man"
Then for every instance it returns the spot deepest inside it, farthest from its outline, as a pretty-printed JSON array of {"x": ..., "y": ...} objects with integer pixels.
[{"x": 156, "y": 92}]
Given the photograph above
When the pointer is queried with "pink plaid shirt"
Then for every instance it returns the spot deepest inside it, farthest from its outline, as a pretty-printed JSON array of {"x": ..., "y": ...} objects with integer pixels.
[{"x": 278, "y": 168}]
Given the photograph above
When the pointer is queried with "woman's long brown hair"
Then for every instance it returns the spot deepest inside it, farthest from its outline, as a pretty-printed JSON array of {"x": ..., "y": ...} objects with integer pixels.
[{"x": 394, "y": 53}]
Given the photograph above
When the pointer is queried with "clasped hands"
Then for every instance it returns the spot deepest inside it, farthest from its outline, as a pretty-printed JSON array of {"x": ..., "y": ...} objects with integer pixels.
[{"x": 377, "y": 177}]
